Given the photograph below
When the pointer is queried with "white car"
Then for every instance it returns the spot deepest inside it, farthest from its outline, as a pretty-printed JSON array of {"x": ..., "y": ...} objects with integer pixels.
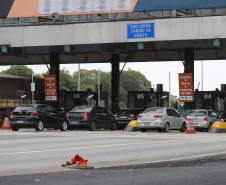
[
  {"x": 202, "y": 119},
  {"x": 162, "y": 119}
]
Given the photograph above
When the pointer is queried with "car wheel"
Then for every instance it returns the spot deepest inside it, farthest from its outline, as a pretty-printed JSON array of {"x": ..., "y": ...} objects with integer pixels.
[
  {"x": 166, "y": 128},
  {"x": 64, "y": 126},
  {"x": 143, "y": 129},
  {"x": 114, "y": 126},
  {"x": 39, "y": 126},
  {"x": 14, "y": 128},
  {"x": 93, "y": 126},
  {"x": 183, "y": 127}
]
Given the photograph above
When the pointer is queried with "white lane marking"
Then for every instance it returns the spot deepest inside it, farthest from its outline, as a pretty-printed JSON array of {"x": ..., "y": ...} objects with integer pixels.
[
  {"x": 90, "y": 147},
  {"x": 86, "y": 147}
]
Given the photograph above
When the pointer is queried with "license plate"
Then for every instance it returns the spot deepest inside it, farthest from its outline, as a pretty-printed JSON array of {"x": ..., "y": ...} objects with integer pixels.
[
  {"x": 123, "y": 117},
  {"x": 20, "y": 121}
]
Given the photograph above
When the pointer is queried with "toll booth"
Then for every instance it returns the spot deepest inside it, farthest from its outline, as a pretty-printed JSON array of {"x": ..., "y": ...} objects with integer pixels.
[
  {"x": 215, "y": 100},
  {"x": 70, "y": 99},
  {"x": 147, "y": 99}
]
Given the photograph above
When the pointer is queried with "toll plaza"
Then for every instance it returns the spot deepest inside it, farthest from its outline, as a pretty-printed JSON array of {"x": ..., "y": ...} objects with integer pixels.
[
  {"x": 70, "y": 99},
  {"x": 129, "y": 31},
  {"x": 146, "y": 99},
  {"x": 213, "y": 100}
]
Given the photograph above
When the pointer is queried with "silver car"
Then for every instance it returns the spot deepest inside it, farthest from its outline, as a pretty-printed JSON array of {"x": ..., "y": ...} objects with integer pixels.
[
  {"x": 162, "y": 119},
  {"x": 203, "y": 119}
]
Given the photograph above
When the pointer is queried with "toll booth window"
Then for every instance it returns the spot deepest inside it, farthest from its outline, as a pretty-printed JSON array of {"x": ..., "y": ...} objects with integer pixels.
[
  {"x": 154, "y": 110},
  {"x": 197, "y": 113}
]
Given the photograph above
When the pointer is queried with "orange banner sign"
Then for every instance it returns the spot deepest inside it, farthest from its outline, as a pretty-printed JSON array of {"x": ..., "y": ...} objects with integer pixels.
[
  {"x": 50, "y": 88},
  {"x": 185, "y": 87}
]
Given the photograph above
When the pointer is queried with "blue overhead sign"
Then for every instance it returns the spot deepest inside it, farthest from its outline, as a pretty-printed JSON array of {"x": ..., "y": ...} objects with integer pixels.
[{"x": 144, "y": 30}]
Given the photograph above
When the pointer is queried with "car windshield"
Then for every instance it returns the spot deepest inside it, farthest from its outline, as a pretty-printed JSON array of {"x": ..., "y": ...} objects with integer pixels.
[
  {"x": 24, "y": 108},
  {"x": 197, "y": 113},
  {"x": 154, "y": 110},
  {"x": 81, "y": 109}
]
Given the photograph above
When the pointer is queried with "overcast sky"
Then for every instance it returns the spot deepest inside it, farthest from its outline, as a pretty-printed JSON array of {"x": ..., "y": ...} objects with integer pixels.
[{"x": 214, "y": 72}]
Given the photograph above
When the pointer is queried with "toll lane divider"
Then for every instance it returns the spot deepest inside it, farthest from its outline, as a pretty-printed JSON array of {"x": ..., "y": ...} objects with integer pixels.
[
  {"x": 218, "y": 127},
  {"x": 132, "y": 126}
]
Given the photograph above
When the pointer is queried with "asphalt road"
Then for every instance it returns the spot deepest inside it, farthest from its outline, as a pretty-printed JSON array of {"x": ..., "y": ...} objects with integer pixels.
[{"x": 128, "y": 154}]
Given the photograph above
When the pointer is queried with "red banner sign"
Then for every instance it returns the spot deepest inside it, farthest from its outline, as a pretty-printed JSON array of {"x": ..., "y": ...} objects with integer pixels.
[
  {"x": 185, "y": 87},
  {"x": 50, "y": 88}
]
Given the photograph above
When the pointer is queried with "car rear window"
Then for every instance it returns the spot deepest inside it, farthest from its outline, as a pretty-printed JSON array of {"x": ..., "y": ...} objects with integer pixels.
[
  {"x": 154, "y": 110},
  {"x": 82, "y": 109},
  {"x": 24, "y": 108},
  {"x": 130, "y": 111},
  {"x": 197, "y": 113}
]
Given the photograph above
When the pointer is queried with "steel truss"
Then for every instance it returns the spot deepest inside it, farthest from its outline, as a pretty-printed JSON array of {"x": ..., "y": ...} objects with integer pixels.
[{"x": 67, "y": 19}]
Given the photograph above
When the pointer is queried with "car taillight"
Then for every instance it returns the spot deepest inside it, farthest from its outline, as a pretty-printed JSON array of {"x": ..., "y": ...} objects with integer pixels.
[
  {"x": 131, "y": 115},
  {"x": 11, "y": 113},
  {"x": 139, "y": 116},
  {"x": 33, "y": 113},
  {"x": 85, "y": 116},
  {"x": 157, "y": 116},
  {"x": 186, "y": 118},
  {"x": 115, "y": 115},
  {"x": 66, "y": 114},
  {"x": 205, "y": 118},
  {"x": 219, "y": 117}
]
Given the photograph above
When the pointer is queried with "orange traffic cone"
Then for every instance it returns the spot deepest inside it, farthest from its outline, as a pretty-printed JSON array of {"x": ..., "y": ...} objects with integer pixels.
[
  {"x": 72, "y": 161},
  {"x": 6, "y": 124},
  {"x": 79, "y": 161},
  {"x": 190, "y": 127}
]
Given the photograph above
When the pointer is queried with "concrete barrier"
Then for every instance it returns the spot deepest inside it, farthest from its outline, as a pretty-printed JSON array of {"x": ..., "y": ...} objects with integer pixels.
[
  {"x": 132, "y": 126},
  {"x": 218, "y": 127}
]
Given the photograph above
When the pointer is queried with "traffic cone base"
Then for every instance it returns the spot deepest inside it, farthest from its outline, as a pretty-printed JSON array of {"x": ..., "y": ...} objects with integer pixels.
[{"x": 6, "y": 125}]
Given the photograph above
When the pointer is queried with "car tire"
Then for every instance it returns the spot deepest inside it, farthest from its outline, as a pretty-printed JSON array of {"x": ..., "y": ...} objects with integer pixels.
[
  {"x": 166, "y": 128},
  {"x": 183, "y": 127},
  {"x": 14, "y": 128},
  {"x": 114, "y": 126},
  {"x": 93, "y": 126},
  {"x": 64, "y": 126},
  {"x": 39, "y": 126},
  {"x": 143, "y": 129}
]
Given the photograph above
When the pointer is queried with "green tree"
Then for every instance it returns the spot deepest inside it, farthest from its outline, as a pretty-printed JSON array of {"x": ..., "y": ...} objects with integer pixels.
[
  {"x": 67, "y": 81},
  {"x": 20, "y": 70}
]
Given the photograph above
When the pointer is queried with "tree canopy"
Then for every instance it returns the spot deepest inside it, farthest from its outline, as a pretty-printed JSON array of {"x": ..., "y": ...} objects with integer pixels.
[{"x": 20, "y": 70}]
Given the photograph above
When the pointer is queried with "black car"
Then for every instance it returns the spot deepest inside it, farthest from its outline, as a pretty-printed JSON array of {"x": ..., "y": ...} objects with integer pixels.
[
  {"x": 38, "y": 116},
  {"x": 124, "y": 116},
  {"x": 91, "y": 117}
]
